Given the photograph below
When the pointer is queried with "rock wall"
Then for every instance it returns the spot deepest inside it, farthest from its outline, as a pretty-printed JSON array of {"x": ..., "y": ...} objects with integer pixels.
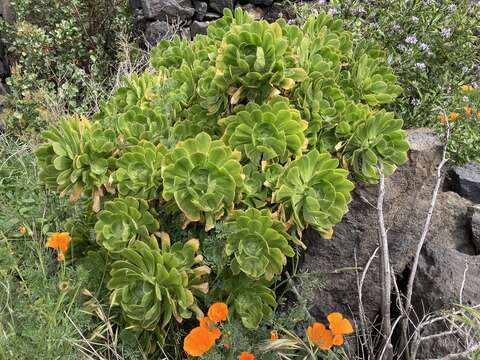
[
  {"x": 7, "y": 15},
  {"x": 450, "y": 252},
  {"x": 160, "y": 19}
]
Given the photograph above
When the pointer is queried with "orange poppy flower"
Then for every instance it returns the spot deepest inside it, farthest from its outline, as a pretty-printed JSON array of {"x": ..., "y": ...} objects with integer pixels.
[
  {"x": 478, "y": 115},
  {"x": 246, "y": 356},
  {"x": 339, "y": 327},
  {"x": 453, "y": 116},
  {"x": 59, "y": 242},
  {"x": 320, "y": 336},
  {"x": 218, "y": 312},
  {"x": 274, "y": 335},
  {"x": 22, "y": 230},
  {"x": 443, "y": 119},
  {"x": 198, "y": 341},
  {"x": 208, "y": 324},
  {"x": 468, "y": 110}
]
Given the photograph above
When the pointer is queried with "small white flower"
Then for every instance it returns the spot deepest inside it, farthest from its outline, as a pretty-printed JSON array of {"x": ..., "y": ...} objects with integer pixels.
[
  {"x": 415, "y": 102},
  {"x": 411, "y": 40},
  {"x": 446, "y": 32},
  {"x": 414, "y": 19},
  {"x": 332, "y": 11},
  {"x": 465, "y": 99},
  {"x": 421, "y": 66},
  {"x": 423, "y": 46},
  {"x": 452, "y": 7}
]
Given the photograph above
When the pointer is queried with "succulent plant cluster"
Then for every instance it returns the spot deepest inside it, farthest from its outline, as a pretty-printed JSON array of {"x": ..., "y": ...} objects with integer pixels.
[{"x": 261, "y": 126}]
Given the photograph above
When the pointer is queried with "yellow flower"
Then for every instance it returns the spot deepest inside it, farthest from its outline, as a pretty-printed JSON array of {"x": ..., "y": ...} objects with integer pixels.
[
  {"x": 443, "y": 119},
  {"x": 22, "y": 230},
  {"x": 468, "y": 110},
  {"x": 478, "y": 115},
  {"x": 453, "y": 116},
  {"x": 467, "y": 88}
]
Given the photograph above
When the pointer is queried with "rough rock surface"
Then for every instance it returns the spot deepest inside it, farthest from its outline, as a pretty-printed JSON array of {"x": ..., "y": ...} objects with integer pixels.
[
  {"x": 219, "y": 5},
  {"x": 407, "y": 199},
  {"x": 466, "y": 181},
  {"x": 445, "y": 277},
  {"x": 474, "y": 216},
  {"x": 155, "y": 18},
  {"x": 167, "y": 9}
]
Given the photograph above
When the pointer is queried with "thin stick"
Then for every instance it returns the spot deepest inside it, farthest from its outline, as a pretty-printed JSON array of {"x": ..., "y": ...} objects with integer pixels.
[
  {"x": 361, "y": 309},
  {"x": 408, "y": 299},
  {"x": 384, "y": 271}
]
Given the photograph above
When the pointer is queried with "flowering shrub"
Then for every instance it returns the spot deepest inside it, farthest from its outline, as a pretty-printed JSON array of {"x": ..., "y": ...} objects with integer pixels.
[
  {"x": 256, "y": 130},
  {"x": 432, "y": 46},
  {"x": 464, "y": 121}
]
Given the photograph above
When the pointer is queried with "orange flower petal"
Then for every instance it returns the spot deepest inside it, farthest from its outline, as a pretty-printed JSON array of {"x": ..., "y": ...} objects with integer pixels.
[
  {"x": 59, "y": 241},
  {"x": 218, "y": 312},
  {"x": 274, "y": 335},
  {"x": 246, "y": 356},
  {"x": 338, "y": 340},
  {"x": 339, "y": 325},
  {"x": 453, "y": 116},
  {"x": 319, "y": 335},
  {"x": 198, "y": 341},
  {"x": 208, "y": 324},
  {"x": 22, "y": 230}
]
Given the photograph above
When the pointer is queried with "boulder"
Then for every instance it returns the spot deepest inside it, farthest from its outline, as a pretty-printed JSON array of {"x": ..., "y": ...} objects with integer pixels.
[
  {"x": 200, "y": 9},
  {"x": 167, "y": 9},
  {"x": 158, "y": 30},
  {"x": 474, "y": 216},
  {"x": 408, "y": 195},
  {"x": 198, "y": 27},
  {"x": 444, "y": 277},
  {"x": 219, "y": 5},
  {"x": 466, "y": 181}
]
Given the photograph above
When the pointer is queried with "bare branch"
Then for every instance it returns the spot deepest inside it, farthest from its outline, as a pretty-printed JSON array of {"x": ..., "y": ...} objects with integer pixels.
[{"x": 384, "y": 272}]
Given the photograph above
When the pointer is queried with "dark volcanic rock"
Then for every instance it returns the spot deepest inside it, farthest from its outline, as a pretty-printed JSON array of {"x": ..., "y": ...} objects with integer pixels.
[
  {"x": 198, "y": 27},
  {"x": 167, "y": 9},
  {"x": 445, "y": 277},
  {"x": 200, "y": 9},
  {"x": 219, "y": 5},
  {"x": 407, "y": 199},
  {"x": 466, "y": 181},
  {"x": 156, "y": 31},
  {"x": 474, "y": 215}
]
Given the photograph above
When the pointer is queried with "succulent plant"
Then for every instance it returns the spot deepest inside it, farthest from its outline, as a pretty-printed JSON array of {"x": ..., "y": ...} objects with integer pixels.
[
  {"x": 258, "y": 242},
  {"x": 271, "y": 131},
  {"x": 152, "y": 285},
  {"x": 123, "y": 221},
  {"x": 251, "y": 299},
  {"x": 373, "y": 80},
  {"x": 77, "y": 156},
  {"x": 314, "y": 192},
  {"x": 254, "y": 64},
  {"x": 379, "y": 142},
  {"x": 217, "y": 29},
  {"x": 138, "y": 171},
  {"x": 139, "y": 124},
  {"x": 204, "y": 177}
]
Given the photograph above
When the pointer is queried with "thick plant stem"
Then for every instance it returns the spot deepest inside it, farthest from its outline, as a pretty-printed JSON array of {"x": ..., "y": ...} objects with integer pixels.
[
  {"x": 426, "y": 226},
  {"x": 385, "y": 274}
]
